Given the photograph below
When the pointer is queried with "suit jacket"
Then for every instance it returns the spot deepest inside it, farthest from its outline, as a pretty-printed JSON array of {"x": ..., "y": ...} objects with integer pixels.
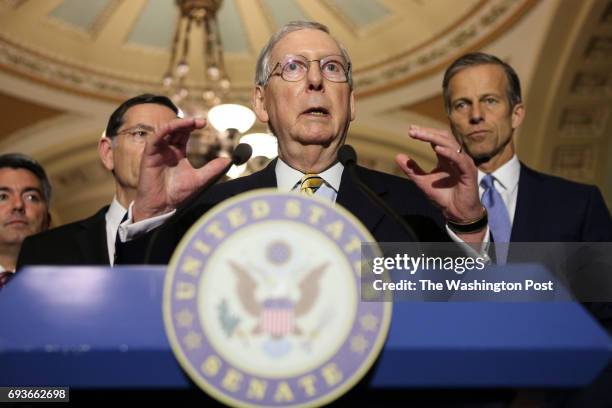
[
  {"x": 79, "y": 243},
  {"x": 551, "y": 209},
  {"x": 401, "y": 194}
]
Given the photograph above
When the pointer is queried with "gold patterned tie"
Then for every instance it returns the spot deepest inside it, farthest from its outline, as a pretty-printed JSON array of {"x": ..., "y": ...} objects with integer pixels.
[{"x": 310, "y": 183}]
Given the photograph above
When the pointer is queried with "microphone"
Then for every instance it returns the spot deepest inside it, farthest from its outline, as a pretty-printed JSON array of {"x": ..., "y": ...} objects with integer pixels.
[
  {"x": 241, "y": 154},
  {"x": 348, "y": 157}
]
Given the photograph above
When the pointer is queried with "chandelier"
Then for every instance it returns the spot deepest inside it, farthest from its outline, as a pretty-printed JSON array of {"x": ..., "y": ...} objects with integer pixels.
[
  {"x": 201, "y": 15},
  {"x": 225, "y": 121}
]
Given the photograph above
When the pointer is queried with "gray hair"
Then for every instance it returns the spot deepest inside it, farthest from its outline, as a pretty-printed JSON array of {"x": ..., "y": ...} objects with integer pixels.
[
  {"x": 263, "y": 62},
  {"x": 480, "y": 58}
]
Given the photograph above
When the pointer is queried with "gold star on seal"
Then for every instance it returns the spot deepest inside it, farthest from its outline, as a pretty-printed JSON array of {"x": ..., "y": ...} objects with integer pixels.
[
  {"x": 369, "y": 322},
  {"x": 358, "y": 344},
  {"x": 192, "y": 340},
  {"x": 184, "y": 318}
]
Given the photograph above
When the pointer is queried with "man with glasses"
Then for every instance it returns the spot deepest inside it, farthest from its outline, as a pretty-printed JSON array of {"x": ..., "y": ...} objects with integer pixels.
[
  {"x": 304, "y": 92},
  {"x": 92, "y": 241}
]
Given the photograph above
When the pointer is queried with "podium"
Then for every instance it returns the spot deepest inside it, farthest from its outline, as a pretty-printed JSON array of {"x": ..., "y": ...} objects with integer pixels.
[{"x": 92, "y": 327}]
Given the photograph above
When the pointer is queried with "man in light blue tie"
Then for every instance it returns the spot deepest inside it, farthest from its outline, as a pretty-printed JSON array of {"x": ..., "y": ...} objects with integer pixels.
[{"x": 482, "y": 96}]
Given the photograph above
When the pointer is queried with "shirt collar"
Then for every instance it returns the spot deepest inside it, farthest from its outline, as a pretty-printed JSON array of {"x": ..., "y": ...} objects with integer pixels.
[
  {"x": 507, "y": 176},
  {"x": 115, "y": 213},
  {"x": 287, "y": 177}
]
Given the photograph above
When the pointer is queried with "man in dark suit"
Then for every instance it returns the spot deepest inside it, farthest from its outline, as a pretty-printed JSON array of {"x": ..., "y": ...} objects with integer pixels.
[
  {"x": 482, "y": 96},
  {"x": 25, "y": 193},
  {"x": 92, "y": 241},
  {"x": 304, "y": 93}
]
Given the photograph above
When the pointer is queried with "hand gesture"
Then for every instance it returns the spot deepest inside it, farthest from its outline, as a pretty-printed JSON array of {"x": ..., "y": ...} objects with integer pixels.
[
  {"x": 166, "y": 176},
  {"x": 453, "y": 184}
]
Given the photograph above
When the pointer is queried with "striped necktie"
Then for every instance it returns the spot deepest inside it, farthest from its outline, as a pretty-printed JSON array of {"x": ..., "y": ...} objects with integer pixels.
[{"x": 310, "y": 183}]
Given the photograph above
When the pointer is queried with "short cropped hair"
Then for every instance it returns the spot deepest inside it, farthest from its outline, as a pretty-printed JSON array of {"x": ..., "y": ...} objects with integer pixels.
[
  {"x": 480, "y": 58},
  {"x": 263, "y": 62},
  {"x": 116, "y": 118},
  {"x": 22, "y": 161}
]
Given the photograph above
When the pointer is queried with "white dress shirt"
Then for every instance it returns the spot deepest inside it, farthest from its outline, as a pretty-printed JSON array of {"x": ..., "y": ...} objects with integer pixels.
[
  {"x": 506, "y": 180},
  {"x": 287, "y": 179},
  {"x": 114, "y": 215}
]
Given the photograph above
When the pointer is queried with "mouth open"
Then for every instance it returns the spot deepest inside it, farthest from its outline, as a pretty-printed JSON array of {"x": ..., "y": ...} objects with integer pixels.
[{"x": 316, "y": 111}]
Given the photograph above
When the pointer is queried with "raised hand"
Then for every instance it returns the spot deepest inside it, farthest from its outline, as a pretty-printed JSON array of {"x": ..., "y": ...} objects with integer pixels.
[
  {"x": 166, "y": 176},
  {"x": 453, "y": 184}
]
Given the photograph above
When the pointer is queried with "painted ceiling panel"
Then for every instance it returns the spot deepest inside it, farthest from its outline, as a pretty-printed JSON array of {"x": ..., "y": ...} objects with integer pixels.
[
  {"x": 79, "y": 13},
  {"x": 22, "y": 114},
  {"x": 232, "y": 30},
  {"x": 155, "y": 26},
  {"x": 283, "y": 11},
  {"x": 417, "y": 36},
  {"x": 362, "y": 12}
]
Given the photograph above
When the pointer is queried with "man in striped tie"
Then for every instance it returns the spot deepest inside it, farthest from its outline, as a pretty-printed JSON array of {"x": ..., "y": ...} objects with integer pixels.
[{"x": 304, "y": 93}]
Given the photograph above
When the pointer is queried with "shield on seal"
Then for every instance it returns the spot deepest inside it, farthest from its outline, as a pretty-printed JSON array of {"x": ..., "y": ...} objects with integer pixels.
[{"x": 278, "y": 317}]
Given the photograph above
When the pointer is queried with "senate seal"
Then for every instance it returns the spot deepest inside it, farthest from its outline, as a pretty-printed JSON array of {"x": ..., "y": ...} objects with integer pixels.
[{"x": 262, "y": 302}]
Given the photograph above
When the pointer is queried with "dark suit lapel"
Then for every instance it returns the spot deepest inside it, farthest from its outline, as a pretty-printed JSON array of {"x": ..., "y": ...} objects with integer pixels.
[
  {"x": 91, "y": 238},
  {"x": 351, "y": 197},
  {"x": 525, "y": 215},
  {"x": 265, "y": 178}
]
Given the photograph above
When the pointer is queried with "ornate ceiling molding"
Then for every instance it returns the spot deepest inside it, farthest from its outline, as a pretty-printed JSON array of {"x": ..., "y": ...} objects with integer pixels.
[{"x": 480, "y": 26}]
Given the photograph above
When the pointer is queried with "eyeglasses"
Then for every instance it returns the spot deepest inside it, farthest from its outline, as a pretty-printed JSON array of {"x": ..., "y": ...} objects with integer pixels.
[
  {"x": 295, "y": 67},
  {"x": 137, "y": 134}
]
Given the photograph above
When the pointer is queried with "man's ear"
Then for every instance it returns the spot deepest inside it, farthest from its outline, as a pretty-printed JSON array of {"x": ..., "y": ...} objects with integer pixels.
[
  {"x": 48, "y": 221},
  {"x": 259, "y": 105},
  {"x": 105, "y": 150},
  {"x": 518, "y": 114},
  {"x": 352, "y": 105}
]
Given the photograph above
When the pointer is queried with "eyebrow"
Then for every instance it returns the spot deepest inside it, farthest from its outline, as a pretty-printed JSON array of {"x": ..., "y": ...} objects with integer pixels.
[
  {"x": 25, "y": 190},
  {"x": 289, "y": 56},
  {"x": 139, "y": 126},
  {"x": 468, "y": 99}
]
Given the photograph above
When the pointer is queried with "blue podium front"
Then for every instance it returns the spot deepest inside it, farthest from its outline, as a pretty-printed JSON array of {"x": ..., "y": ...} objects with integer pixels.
[{"x": 102, "y": 328}]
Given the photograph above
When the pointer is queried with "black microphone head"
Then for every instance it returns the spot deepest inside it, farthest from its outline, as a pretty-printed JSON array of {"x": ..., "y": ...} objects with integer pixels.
[
  {"x": 347, "y": 155},
  {"x": 242, "y": 153}
]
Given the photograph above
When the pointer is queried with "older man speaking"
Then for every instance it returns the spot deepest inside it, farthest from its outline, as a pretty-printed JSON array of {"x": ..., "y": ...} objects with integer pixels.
[{"x": 304, "y": 92}]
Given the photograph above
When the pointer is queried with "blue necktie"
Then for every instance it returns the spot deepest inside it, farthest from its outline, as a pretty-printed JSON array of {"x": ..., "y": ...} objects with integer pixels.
[{"x": 499, "y": 220}]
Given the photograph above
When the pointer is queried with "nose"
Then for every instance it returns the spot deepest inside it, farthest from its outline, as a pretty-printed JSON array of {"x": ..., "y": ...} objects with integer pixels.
[
  {"x": 18, "y": 204},
  {"x": 314, "y": 76},
  {"x": 476, "y": 114}
]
